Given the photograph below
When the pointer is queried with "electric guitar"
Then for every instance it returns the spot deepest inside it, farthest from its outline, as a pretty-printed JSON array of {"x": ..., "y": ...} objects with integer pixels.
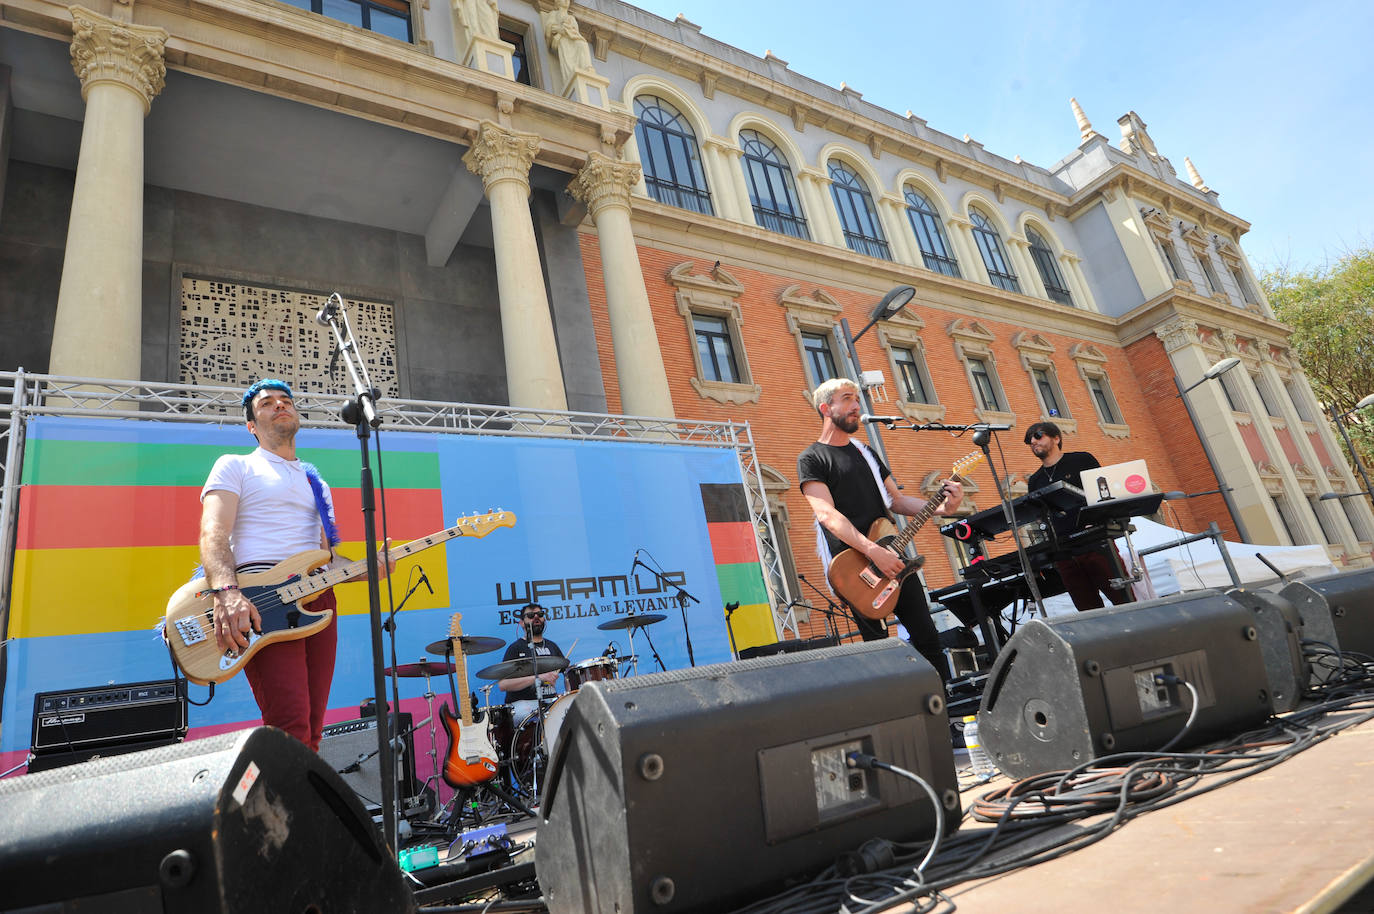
[
  {"x": 471, "y": 760},
  {"x": 859, "y": 582},
  {"x": 280, "y": 593}
]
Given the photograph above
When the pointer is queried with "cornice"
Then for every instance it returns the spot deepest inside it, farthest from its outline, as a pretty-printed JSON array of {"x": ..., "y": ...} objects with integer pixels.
[
  {"x": 272, "y": 47},
  {"x": 1145, "y": 188},
  {"x": 1177, "y": 303}
]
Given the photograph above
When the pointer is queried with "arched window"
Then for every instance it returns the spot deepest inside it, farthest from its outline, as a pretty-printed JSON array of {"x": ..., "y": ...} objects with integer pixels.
[
  {"x": 668, "y": 151},
  {"x": 771, "y": 190},
  {"x": 858, "y": 217},
  {"x": 925, "y": 222},
  {"x": 1055, "y": 287},
  {"x": 994, "y": 255}
]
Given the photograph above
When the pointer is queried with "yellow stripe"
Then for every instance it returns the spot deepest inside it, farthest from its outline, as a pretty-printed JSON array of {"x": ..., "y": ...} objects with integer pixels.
[
  {"x": 82, "y": 591},
  {"x": 753, "y": 626}
]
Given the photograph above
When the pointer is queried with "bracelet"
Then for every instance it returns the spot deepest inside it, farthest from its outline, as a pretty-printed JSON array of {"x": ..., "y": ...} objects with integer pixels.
[{"x": 214, "y": 590}]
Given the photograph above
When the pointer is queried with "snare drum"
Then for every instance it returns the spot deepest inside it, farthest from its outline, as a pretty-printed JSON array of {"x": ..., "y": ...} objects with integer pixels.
[{"x": 594, "y": 670}]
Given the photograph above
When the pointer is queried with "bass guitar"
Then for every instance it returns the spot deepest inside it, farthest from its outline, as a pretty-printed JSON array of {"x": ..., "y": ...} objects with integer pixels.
[
  {"x": 280, "y": 593},
  {"x": 859, "y": 582},
  {"x": 471, "y": 759}
]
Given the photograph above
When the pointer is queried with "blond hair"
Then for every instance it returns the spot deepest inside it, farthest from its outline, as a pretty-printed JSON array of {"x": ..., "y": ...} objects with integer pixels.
[{"x": 826, "y": 392}]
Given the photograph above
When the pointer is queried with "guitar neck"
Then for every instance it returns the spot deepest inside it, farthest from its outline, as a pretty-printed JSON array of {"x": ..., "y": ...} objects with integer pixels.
[
  {"x": 334, "y": 576},
  {"x": 903, "y": 539}
]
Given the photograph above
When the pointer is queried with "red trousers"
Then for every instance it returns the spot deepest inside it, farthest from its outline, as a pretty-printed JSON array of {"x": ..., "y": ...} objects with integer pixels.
[{"x": 291, "y": 679}]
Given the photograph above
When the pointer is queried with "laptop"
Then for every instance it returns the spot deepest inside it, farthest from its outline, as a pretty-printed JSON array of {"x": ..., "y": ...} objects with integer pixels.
[{"x": 1120, "y": 480}]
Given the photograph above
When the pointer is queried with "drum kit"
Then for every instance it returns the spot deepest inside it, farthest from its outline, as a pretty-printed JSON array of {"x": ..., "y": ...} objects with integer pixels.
[{"x": 521, "y": 733}]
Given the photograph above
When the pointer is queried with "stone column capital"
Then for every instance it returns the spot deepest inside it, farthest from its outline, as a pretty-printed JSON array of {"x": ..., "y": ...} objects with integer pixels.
[
  {"x": 1178, "y": 333},
  {"x": 498, "y": 154},
  {"x": 604, "y": 182},
  {"x": 104, "y": 50}
]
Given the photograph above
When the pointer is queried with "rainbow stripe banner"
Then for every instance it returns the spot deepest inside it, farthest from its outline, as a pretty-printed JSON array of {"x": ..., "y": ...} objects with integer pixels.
[{"x": 109, "y": 517}]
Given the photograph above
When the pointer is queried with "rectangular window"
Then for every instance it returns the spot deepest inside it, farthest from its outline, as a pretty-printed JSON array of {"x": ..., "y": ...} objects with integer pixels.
[
  {"x": 1103, "y": 400},
  {"x": 820, "y": 359},
  {"x": 1281, "y": 507},
  {"x": 983, "y": 385},
  {"x": 716, "y": 349},
  {"x": 519, "y": 60},
  {"x": 1233, "y": 397},
  {"x": 1317, "y": 509},
  {"x": 1170, "y": 257},
  {"x": 1047, "y": 390},
  {"x": 913, "y": 387},
  {"x": 1266, "y": 396},
  {"x": 1213, "y": 284},
  {"x": 1239, "y": 276},
  {"x": 385, "y": 17}
]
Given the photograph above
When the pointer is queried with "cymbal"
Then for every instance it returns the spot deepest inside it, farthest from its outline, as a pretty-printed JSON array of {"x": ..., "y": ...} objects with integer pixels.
[
  {"x": 423, "y": 668},
  {"x": 522, "y": 666},
  {"x": 633, "y": 621},
  {"x": 470, "y": 644}
]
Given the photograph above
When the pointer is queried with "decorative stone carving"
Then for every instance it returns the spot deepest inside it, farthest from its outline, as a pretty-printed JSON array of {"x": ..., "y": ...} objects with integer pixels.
[
  {"x": 565, "y": 39},
  {"x": 1178, "y": 333},
  {"x": 106, "y": 51},
  {"x": 499, "y": 155},
  {"x": 603, "y": 182}
]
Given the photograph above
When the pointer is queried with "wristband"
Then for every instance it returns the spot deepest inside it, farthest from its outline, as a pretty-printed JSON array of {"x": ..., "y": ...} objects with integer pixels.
[{"x": 215, "y": 590}]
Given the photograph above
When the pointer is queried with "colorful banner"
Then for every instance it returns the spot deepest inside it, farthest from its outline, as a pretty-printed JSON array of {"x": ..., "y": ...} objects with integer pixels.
[{"x": 108, "y": 526}]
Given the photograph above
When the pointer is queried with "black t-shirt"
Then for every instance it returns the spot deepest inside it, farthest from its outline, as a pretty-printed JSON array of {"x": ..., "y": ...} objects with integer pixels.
[
  {"x": 850, "y": 480},
  {"x": 1066, "y": 469},
  {"x": 523, "y": 648}
]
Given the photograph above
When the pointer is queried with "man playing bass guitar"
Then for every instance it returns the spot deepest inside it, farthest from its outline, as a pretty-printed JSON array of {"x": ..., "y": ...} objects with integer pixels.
[
  {"x": 840, "y": 478},
  {"x": 257, "y": 509}
]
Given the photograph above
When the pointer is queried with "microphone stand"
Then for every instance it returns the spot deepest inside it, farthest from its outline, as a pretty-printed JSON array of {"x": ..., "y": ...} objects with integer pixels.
[
  {"x": 390, "y": 627},
  {"x": 832, "y": 613},
  {"x": 361, "y": 412},
  {"x": 682, "y": 597},
  {"x": 730, "y": 626}
]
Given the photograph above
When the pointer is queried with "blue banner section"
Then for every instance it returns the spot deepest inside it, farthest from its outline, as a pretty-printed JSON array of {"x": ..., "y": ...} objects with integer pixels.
[{"x": 583, "y": 510}]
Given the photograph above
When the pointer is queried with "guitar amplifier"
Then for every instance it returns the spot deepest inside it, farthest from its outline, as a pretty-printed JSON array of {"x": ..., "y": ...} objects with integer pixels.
[
  {"x": 354, "y": 742},
  {"x": 99, "y": 720}
]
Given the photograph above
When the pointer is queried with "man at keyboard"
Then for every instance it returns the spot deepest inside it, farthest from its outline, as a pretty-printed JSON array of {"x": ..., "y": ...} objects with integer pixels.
[{"x": 1086, "y": 577}]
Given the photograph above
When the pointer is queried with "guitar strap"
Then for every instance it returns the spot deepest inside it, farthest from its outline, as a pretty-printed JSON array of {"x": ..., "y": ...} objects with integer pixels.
[
  {"x": 312, "y": 476},
  {"x": 822, "y": 545}
]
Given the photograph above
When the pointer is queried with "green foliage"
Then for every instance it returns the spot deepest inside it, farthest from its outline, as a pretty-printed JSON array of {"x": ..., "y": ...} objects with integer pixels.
[{"x": 1331, "y": 311}]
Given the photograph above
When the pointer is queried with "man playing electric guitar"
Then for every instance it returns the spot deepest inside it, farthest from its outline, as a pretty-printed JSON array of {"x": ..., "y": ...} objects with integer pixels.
[
  {"x": 257, "y": 509},
  {"x": 840, "y": 478}
]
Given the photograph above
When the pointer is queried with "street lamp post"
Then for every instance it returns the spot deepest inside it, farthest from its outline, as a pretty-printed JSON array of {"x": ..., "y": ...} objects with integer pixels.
[
  {"x": 892, "y": 303},
  {"x": 1215, "y": 371},
  {"x": 1345, "y": 436}
]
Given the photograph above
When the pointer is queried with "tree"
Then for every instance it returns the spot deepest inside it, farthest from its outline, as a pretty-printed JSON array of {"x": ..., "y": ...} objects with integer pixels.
[{"x": 1331, "y": 311}]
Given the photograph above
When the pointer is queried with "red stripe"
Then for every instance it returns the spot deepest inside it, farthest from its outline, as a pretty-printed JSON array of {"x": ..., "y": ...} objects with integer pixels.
[
  {"x": 85, "y": 517},
  {"x": 732, "y": 543}
]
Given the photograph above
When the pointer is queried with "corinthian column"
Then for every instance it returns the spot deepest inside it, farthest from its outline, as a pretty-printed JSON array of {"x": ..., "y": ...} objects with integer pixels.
[
  {"x": 604, "y": 185},
  {"x": 98, "y": 330},
  {"x": 534, "y": 376}
]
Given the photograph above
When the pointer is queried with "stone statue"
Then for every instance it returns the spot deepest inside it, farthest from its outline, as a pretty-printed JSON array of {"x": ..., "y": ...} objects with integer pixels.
[
  {"x": 566, "y": 41},
  {"x": 478, "y": 18}
]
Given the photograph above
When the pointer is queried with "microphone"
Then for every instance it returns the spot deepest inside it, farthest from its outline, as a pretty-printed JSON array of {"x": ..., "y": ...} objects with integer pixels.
[
  {"x": 331, "y": 306},
  {"x": 634, "y": 566},
  {"x": 886, "y": 420},
  {"x": 424, "y": 579}
]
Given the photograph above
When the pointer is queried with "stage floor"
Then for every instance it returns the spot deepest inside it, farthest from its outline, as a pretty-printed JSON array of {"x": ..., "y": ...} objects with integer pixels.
[{"x": 1298, "y": 837}]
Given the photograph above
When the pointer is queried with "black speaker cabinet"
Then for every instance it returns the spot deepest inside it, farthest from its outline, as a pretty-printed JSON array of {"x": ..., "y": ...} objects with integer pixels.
[
  {"x": 695, "y": 790},
  {"x": 247, "y": 821},
  {"x": 353, "y": 743},
  {"x": 1071, "y": 689},
  {"x": 1337, "y": 609},
  {"x": 1280, "y": 634}
]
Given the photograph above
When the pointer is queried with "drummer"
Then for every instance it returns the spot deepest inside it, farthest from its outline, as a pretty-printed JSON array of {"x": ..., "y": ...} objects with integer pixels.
[{"x": 521, "y": 690}]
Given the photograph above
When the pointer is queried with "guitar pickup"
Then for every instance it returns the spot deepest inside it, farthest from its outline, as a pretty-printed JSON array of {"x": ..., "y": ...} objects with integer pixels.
[
  {"x": 870, "y": 577},
  {"x": 189, "y": 630}
]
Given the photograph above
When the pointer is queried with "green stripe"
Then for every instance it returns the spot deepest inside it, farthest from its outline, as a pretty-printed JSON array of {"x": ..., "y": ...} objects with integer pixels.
[
  {"x": 742, "y": 581},
  {"x": 120, "y": 463}
]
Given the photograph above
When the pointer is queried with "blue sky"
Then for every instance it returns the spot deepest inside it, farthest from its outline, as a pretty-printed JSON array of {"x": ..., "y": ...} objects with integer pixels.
[{"x": 1270, "y": 100}]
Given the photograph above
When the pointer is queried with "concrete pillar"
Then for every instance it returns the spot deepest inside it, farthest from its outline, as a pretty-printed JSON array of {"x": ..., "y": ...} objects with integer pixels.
[
  {"x": 1018, "y": 251},
  {"x": 960, "y": 232},
  {"x": 98, "y": 328},
  {"x": 502, "y": 159},
  {"x": 604, "y": 185},
  {"x": 899, "y": 236}
]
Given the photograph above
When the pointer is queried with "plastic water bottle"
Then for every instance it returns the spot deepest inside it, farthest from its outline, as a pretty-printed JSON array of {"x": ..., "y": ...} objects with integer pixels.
[{"x": 982, "y": 766}]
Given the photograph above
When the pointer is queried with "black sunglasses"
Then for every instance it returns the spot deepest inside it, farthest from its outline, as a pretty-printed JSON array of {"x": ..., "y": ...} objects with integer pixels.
[
  {"x": 534, "y": 616},
  {"x": 1038, "y": 435}
]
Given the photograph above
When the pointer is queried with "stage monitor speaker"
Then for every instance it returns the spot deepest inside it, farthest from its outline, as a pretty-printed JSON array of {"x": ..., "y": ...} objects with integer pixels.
[
  {"x": 1338, "y": 610},
  {"x": 247, "y": 821},
  {"x": 1280, "y": 635},
  {"x": 699, "y": 789},
  {"x": 353, "y": 743},
  {"x": 1067, "y": 690}
]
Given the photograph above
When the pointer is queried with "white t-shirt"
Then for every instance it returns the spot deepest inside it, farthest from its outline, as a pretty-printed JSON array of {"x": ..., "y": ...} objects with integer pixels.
[{"x": 276, "y": 515}]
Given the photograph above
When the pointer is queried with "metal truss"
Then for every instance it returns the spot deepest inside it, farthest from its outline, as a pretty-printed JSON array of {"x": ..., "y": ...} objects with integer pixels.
[{"x": 23, "y": 395}]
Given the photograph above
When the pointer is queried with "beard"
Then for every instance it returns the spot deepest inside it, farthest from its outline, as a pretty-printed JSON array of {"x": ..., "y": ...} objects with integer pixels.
[
  {"x": 536, "y": 628},
  {"x": 847, "y": 424}
]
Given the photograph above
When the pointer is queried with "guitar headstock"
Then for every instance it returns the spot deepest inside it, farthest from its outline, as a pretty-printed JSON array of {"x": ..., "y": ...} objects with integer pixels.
[
  {"x": 480, "y": 525},
  {"x": 967, "y": 462},
  {"x": 455, "y": 628}
]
